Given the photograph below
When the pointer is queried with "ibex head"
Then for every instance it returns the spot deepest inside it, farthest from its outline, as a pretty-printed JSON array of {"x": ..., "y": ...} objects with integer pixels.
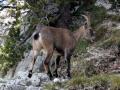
[{"x": 87, "y": 32}]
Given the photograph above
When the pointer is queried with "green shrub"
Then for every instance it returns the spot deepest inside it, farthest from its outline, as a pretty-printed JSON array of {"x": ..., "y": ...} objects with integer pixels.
[
  {"x": 100, "y": 80},
  {"x": 81, "y": 46},
  {"x": 115, "y": 82},
  {"x": 49, "y": 87},
  {"x": 98, "y": 15},
  {"x": 113, "y": 39}
]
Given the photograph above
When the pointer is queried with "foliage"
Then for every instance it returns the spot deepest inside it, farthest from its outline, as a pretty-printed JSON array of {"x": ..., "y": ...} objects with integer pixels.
[
  {"x": 115, "y": 82},
  {"x": 81, "y": 46},
  {"x": 113, "y": 39},
  {"x": 114, "y": 17},
  {"x": 98, "y": 15},
  {"x": 80, "y": 82},
  {"x": 49, "y": 87},
  {"x": 100, "y": 80},
  {"x": 10, "y": 52},
  {"x": 54, "y": 86}
]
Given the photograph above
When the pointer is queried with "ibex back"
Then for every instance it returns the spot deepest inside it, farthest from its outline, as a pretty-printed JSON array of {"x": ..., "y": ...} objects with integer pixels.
[{"x": 59, "y": 39}]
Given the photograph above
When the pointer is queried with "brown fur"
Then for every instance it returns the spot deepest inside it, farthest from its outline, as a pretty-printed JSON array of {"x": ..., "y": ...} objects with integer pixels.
[{"x": 58, "y": 39}]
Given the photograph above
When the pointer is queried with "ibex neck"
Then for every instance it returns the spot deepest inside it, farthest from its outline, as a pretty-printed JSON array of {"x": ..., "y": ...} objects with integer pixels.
[{"x": 78, "y": 33}]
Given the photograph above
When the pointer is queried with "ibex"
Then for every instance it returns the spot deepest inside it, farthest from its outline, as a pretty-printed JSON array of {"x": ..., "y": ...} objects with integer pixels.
[{"x": 62, "y": 40}]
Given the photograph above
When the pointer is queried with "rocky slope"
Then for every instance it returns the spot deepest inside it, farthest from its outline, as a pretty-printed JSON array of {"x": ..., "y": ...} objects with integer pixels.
[{"x": 101, "y": 59}]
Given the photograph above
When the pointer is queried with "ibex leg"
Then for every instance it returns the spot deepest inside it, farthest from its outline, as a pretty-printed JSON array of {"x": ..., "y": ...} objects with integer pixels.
[
  {"x": 67, "y": 57},
  {"x": 33, "y": 62},
  {"x": 47, "y": 62},
  {"x": 57, "y": 65}
]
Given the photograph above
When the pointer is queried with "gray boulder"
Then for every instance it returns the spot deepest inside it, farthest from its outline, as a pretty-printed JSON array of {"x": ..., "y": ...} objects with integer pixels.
[{"x": 22, "y": 82}]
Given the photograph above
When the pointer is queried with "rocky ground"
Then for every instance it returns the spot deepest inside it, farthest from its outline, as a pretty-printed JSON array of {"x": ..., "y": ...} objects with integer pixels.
[
  {"x": 22, "y": 82},
  {"x": 17, "y": 78},
  {"x": 99, "y": 61}
]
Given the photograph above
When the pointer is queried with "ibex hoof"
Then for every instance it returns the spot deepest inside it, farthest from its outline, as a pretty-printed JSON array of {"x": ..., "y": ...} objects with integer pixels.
[
  {"x": 50, "y": 76},
  {"x": 69, "y": 77},
  {"x": 55, "y": 74},
  {"x": 30, "y": 74}
]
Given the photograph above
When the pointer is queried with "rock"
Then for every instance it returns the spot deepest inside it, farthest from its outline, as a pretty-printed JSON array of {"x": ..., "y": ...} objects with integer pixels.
[
  {"x": 56, "y": 80},
  {"x": 44, "y": 77},
  {"x": 35, "y": 80},
  {"x": 33, "y": 88},
  {"x": 104, "y": 3},
  {"x": 22, "y": 82},
  {"x": 21, "y": 74},
  {"x": 100, "y": 53},
  {"x": 24, "y": 65},
  {"x": 12, "y": 87},
  {"x": 10, "y": 73},
  {"x": 103, "y": 60}
]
